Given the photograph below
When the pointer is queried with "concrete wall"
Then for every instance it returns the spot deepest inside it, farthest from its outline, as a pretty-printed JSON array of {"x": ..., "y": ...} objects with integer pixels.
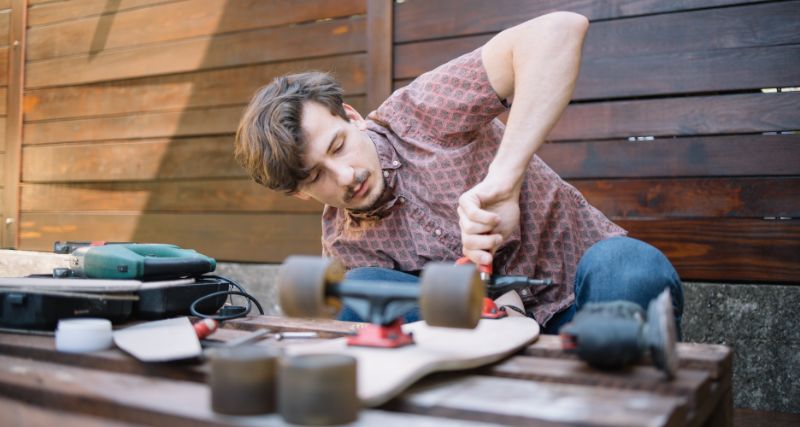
[
  {"x": 260, "y": 280},
  {"x": 760, "y": 323}
]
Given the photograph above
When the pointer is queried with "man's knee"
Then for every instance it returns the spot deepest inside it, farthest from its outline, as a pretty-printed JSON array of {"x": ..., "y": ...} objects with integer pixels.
[
  {"x": 622, "y": 268},
  {"x": 626, "y": 268}
]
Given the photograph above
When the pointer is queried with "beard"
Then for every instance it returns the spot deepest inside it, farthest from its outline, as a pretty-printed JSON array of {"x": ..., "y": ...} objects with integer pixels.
[{"x": 371, "y": 199}]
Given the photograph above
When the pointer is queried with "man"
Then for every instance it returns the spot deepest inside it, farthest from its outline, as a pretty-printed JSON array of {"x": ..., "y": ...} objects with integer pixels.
[{"x": 431, "y": 175}]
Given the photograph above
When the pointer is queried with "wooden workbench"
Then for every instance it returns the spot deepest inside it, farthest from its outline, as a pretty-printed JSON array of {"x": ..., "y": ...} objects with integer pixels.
[{"x": 539, "y": 386}]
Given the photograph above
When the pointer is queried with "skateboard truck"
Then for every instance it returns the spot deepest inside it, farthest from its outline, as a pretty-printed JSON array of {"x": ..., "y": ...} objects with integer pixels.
[
  {"x": 447, "y": 295},
  {"x": 611, "y": 335},
  {"x": 497, "y": 285},
  {"x": 382, "y": 304}
]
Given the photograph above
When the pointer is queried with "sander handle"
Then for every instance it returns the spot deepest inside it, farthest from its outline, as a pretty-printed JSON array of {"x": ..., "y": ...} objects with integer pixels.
[{"x": 144, "y": 261}]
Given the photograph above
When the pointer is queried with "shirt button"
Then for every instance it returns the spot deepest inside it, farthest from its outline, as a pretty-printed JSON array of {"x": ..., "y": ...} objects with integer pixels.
[
  {"x": 385, "y": 174},
  {"x": 395, "y": 163},
  {"x": 401, "y": 199},
  {"x": 437, "y": 232}
]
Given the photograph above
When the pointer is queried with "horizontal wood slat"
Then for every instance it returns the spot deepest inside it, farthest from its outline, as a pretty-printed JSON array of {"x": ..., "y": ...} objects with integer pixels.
[
  {"x": 518, "y": 402},
  {"x": 735, "y": 155},
  {"x": 163, "y": 158},
  {"x": 148, "y": 125},
  {"x": 706, "y": 115},
  {"x": 694, "y": 385},
  {"x": 205, "y": 195},
  {"x": 100, "y": 392},
  {"x": 686, "y": 73},
  {"x": 694, "y": 197},
  {"x": 175, "y": 21},
  {"x": 58, "y": 11},
  {"x": 303, "y": 41},
  {"x": 639, "y": 75},
  {"x": 43, "y": 349},
  {"x": 756, "y": 25},
  {"x": 200, "y": 89},
  {"x": 16, "y": 413},
  {"x": 413, "y": 59},
  {"x": 39, "y": 2},
  {"x": 736, "y": 250},
  {"x": 419, "y": 20},
  {"x": 234, "y": 237},
  {"x": 717, "y": 360},
  {"x": 210, "y": 121}
]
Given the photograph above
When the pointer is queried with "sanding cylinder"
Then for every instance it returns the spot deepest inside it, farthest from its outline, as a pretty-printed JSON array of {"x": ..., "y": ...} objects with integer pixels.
[
  {"x": 243, "y": 380},
  {"x": 318, "y": 389}
]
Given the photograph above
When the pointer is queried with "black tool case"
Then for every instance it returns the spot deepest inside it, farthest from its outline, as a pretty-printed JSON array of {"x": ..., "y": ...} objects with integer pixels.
[
  {"x": 161, "y": 303},
  {"x": 38, "y": 303}
]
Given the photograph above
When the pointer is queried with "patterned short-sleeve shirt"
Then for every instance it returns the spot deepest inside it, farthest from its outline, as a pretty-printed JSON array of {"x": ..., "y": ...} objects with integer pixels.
[{"x": 435, "y": 140}]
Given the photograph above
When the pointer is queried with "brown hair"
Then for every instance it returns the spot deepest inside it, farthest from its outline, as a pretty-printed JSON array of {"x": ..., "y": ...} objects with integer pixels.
[{"x": 269, "y": 142}]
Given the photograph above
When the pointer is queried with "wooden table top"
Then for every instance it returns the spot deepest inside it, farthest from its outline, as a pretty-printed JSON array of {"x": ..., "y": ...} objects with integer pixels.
[{"x": 541, "y": 385}]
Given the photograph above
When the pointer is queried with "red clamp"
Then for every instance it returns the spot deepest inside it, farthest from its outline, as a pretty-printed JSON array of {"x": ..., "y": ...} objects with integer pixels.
[
  {"x": 490, "y": 309},
  {"x": 390, "y": 336}
]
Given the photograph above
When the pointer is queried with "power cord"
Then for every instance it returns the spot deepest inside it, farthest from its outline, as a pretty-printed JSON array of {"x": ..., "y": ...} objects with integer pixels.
[{"x": 241, "y": 292}]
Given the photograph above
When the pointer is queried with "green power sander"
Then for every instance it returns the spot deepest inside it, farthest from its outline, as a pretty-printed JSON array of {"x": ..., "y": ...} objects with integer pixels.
[
  {"x": 134, "y": 261},
  {"x": 612, "y": 335}
]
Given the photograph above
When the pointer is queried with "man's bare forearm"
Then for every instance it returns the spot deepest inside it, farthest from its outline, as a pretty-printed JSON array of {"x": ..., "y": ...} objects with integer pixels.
[{"x": 537, "y": 63}]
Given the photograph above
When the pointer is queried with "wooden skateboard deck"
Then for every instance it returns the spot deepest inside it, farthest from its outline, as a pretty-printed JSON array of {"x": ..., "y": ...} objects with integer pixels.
[{"x": 383, "y": 373}]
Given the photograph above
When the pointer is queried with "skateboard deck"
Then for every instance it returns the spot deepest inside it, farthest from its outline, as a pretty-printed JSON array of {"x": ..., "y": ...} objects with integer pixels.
[{"x": 383, "y": 373}]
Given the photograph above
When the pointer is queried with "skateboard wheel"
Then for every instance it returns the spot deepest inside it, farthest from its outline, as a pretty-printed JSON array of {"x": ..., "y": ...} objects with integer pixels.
[
  {"x": 303, "y": 283},
  {"x": 663, "y": 334},
  {"x": 243, "y": 380},
  {"x": 451, "y": 295},
  {"x": 318, "y": 389}
]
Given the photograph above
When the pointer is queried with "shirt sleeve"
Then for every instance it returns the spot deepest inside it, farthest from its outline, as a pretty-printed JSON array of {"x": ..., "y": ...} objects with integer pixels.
[{"x": 446, "y": 104}]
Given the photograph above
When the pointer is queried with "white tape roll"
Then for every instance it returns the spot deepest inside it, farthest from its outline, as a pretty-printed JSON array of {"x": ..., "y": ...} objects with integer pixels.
[{"x": 83, "y": 335}]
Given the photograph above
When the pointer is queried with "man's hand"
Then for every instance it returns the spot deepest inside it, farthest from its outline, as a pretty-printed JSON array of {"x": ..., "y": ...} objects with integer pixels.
[
  {"x": 488, "y": 214},
  {"x": 537, "y": 64}
]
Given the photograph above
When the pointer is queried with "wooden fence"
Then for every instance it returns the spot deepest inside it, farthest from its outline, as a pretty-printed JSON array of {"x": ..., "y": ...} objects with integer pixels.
[{"x": 681, "y": 129}]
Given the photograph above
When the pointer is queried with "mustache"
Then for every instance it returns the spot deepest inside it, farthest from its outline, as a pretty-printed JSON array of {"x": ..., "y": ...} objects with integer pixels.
[{"x": 351, "y": 189}]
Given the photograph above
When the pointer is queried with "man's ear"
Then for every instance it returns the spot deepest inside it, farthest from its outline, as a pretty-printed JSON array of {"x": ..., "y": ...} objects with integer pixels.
[
  {"x": 354, "y": 116},
  {"x": 302, "y": 196}
]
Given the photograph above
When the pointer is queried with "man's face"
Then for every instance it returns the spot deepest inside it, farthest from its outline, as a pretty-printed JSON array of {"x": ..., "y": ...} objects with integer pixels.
[{"x": 343, "y": 162}]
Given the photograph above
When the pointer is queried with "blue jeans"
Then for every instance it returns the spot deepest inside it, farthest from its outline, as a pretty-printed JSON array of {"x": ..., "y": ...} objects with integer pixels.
[
  {"x": 379, "y": 274},
  {"x": 619, "y": 268}
]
